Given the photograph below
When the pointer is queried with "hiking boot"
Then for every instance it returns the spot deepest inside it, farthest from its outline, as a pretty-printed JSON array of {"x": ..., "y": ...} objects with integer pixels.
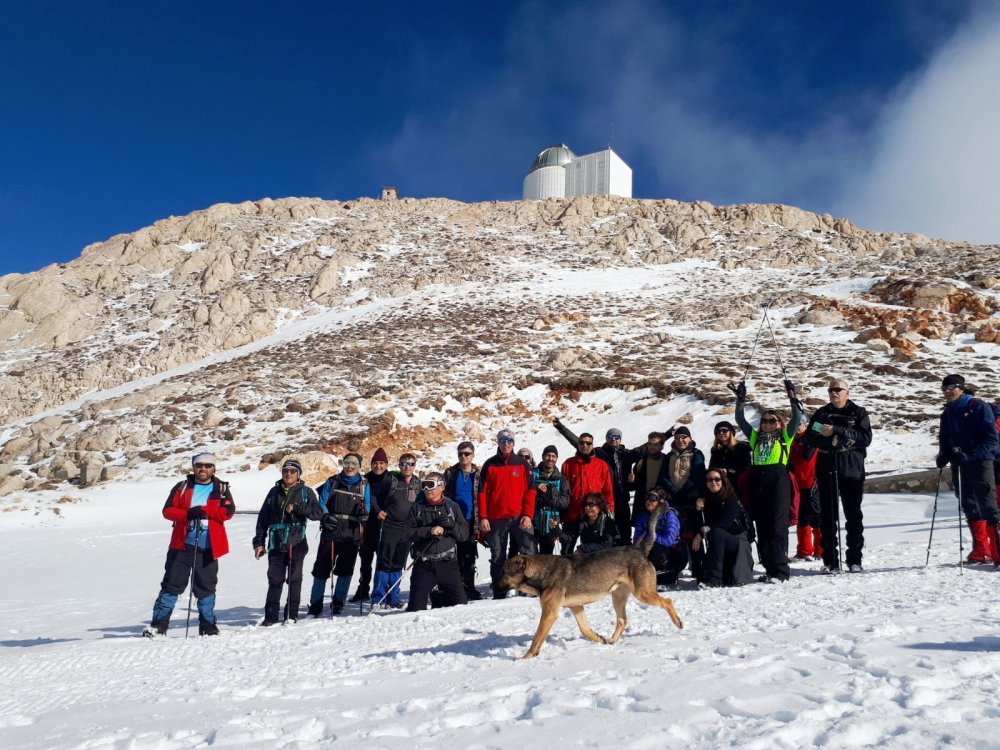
[
  {"x": 770, "y": 579},
  {"x": 315, "y": 609},
  {"x": 855, "y": 568},
  {"x": 831, "y": 570},
  {"x": 473, "y": 595},
  {"x": 336, "y": 608},
  {"x": 396, "y": 605},
  {"x": 361, "y": 595},
  {"x": 499, "y": 593},
  {"x": 208, "y": 628},
  {"x": 155, "y": 628},
  {"x": 265, "y": 623}
]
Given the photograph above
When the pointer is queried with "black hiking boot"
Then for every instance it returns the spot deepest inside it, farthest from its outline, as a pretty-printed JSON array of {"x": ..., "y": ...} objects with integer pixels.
[
  {"x": 208, "y": 628},
  {"x": 315, "y": 609},
  {"x": 155, "y": 628},
  {"x": 473, "y": 595},
  {"x": 361, "y": 595},
  {"x": 336, "y": 608}
]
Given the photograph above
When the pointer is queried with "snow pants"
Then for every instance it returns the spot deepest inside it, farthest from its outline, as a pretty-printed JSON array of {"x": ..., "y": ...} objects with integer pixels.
[
  {"x": 851, "y": 493},
  {"x": 502, "y": 532},
  {"x": 284, "y": 565},
  {"x": 441, "y": 573},
  {"x": 770, "y": 498},
  {"x": 177, "y": 574},
  {"x": 979, "y": 500},
  {"x": 728, "y": 561}
]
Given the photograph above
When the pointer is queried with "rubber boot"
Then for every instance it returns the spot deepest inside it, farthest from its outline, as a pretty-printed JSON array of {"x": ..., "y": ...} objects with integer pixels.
[
  {"x": 991, "y": 537},
  {"x": 804, "y": 548},
  {"x": 817, "y": 543},
  {"x": 980, "y": 543}
]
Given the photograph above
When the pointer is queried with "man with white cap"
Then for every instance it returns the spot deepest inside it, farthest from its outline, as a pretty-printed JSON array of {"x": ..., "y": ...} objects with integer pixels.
[
  {"x": 506, "y": 505},
  {"x": 198, "y": 508},
  {"x": 842, "y": 432}
]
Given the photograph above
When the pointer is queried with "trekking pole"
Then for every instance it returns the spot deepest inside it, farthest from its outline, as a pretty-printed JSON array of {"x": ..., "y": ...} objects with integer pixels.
[
  {"x": 194, "y": 565},
  {"x": 961, "y": 549},
  {"x": 836, "y": 508},
  {"x": 755, "y": 338},
  {"x": 937, "y": 492},
  {"x": 777, "y": 349},
  {"x": 400, "y": 579}
]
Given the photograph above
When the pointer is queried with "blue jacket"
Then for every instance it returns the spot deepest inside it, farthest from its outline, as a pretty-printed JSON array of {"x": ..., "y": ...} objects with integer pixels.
[
  {"x": 668, "y": 528},
  {"x": 968, "y": 431}
]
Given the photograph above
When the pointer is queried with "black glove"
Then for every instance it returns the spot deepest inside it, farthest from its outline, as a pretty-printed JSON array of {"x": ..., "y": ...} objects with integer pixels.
[
  {"x": 959, "y": 458},
  {"x": 196, "y": 513},
  {"x": 556, "y": 423},
  {"x": 668, "y": 434},
  {"x": 445, "y": 522},
  {"x": 941, "y": 460},
  {"x": 789, "y": 387},
  {"x": 740, "y": 390},
  {"x": 329, "y": 523}
]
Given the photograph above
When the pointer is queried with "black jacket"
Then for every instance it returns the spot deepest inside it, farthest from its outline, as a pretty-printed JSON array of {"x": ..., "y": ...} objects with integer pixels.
[
  {"x": 843, "y": 452},
  {"x": 277, "y": 526},
  {"x": 395, "y": 497},
  {"x": 734, "y": 459},
  {"x": 424, "y": 517},
  {"x": 602, "y": 535}
]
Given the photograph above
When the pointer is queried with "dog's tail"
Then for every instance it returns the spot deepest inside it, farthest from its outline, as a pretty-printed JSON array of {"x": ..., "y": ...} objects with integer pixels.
[{"x": 647, "y": 541}]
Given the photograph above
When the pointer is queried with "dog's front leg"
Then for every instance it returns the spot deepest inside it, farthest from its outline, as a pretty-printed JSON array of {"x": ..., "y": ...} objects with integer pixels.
[
  {"x": 581, "y": 620},
  {"x": 550, "y": 612}
]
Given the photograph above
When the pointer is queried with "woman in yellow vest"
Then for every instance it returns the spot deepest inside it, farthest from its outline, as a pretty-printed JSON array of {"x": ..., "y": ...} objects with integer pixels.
[{"x": 770, "y": 488}]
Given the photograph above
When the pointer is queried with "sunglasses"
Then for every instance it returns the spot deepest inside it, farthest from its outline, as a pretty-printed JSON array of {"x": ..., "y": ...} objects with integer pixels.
[
  {"x": 591, "y": 505},
  {"x": 586, "y": 442},
  {"x": 505, "y": 440},
  {"x": 465, "y": 453},
  {"x": 407, "y": 464},
  {"x": 950, "y": 387},
  {"x": 204, "y": 466},
  {"x": 769, "y": 420},
  {"x": 431, "y": 484},
  {"x": 723, "y": 431},
  {"x": 713, "y": 480},
  {"x": 289, "y": 471},
  {"x": 835, "y": 390}
]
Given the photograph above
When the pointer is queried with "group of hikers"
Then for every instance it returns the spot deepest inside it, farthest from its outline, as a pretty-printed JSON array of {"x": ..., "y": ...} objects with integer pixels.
[{"x": 791, "y": 470}]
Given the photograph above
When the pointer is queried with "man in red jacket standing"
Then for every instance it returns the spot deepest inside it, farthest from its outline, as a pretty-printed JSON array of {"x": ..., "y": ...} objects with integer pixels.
[
  {"x": 506, "y": 506},
  {"x": 586, "y": 474},
  {"x": 198, "y": 508}
]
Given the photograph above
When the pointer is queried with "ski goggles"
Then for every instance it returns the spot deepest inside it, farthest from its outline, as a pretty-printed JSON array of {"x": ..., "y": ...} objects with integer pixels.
[
  {"x": 349, "y": 462},
  {"x": 613, "y": 436},
  {"x": 431, "y": 484}
]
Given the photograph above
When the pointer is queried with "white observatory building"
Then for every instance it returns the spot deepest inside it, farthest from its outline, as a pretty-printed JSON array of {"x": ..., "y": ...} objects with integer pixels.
[{"x": 559, "y": 173}]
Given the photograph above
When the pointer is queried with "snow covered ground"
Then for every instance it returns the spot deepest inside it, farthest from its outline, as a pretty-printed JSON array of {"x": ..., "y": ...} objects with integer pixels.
[{"x": 902, "y": 656}]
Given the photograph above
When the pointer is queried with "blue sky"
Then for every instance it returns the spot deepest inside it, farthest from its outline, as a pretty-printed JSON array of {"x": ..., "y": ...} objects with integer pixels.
[{"x": 117, "y": 114}]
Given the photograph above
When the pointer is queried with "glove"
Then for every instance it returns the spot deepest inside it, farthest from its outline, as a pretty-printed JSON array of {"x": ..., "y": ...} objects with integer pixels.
[
  {"x": 959, "y": 458},
  {"x": 789, "y": 387},
  {"x": 740, "y": 390},
  {"x": 941, "y": 460},
  {"x": 329, "y": 523},
  {"x": 196, "y": 513},
  {"x": 445, "y": 522},
  {"x": 668, "y": 434}
]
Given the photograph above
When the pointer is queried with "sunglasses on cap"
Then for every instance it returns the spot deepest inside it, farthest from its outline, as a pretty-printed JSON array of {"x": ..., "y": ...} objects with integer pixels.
[
  {"x": 431, "y": 484},
  {"x": 204, "y": 466},
  {"x": 503, "y": 440},
  {"x": 407, "y": 464}
]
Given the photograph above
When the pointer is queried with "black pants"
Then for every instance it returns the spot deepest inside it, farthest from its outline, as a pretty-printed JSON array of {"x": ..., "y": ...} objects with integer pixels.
[
  {"x": 282, "y": 566},
  {"x": 393, "y": 547},
  {"x": 441, "y": 573},
  {"x": 468, "y": 552},
  {"x": 851, "y": 492},
  {"x": 979, "y": 498},
  {"x": 368, "y": 550},
  {"x": 668, "y": 562},
  {"x": 337, "y": 556},
  {"x": 502, "y": 532},
  {"x": 809, "y": 508},
  {"x": 623, "y": 519},
  {"x": 727, "y": 559},
  {"x": 177, "y": 572},
  {"x": 771, "y": 500}
]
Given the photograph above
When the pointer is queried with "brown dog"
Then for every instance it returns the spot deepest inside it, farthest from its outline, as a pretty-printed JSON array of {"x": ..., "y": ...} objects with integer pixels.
[{"x": 582, "y": 579}]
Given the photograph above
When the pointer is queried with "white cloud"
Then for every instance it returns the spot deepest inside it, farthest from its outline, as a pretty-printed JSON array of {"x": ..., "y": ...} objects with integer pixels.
[{"x": 936, "y": 165}]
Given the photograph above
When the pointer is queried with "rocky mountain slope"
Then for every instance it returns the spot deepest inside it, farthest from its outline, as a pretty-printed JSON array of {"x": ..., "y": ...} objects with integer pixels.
[{"x": 297, "y": 324}]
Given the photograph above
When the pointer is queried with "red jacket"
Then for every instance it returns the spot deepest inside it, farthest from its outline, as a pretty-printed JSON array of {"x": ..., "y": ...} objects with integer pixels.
[
  {"x": 586, "y": 477},
  {"x": 218, "y": 510},
  {"x": 504, "y": 490},
  {"x": 802, "y": 461}
]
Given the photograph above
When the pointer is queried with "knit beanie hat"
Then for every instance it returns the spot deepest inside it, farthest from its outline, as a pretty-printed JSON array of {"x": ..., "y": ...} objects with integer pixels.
[
  {"x": 380, "y": 455},
  {"x": 682, "y": 430},
  {"x": 203, "y": 458},
  {"x": 550, "y": 449},
  {"x": 292, "y": 464},
  {"x": 952, "y": 380}
]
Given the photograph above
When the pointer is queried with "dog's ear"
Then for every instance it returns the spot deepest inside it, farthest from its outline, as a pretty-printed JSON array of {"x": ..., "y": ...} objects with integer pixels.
[{"x": 518, "y": 564}]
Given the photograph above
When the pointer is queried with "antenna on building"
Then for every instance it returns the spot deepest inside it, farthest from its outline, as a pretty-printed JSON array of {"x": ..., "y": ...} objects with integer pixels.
[{"x": 612, "y": 143}]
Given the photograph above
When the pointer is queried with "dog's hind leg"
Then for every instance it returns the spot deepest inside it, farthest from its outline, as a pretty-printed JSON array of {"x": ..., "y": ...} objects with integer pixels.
[
  {"x": 581, "y": 620},
  {"x": 550, "y": 612},
  {"x": 654, "y": 600},
  {"x": 619, "y": 597}
]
